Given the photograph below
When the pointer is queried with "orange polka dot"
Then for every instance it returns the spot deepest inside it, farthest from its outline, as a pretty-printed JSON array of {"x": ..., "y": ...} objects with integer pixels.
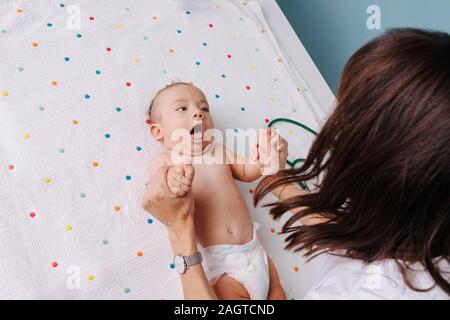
[
  {"x": 171, "y": 50},
  {"x": 155, "y": 18},
  {"x": 272, "y": 230},
  {"x": 296, "y": 269},
  {"x": 54, "y": 83},
  {"x": 35, "y": 44},
  {"x": 19, "y": 10},
  {"x": 95, "y": 164},
  {"x": 139, "y": 254},
  {"x": 117, "y": 208},
  {"x": 74, "y": 122}
]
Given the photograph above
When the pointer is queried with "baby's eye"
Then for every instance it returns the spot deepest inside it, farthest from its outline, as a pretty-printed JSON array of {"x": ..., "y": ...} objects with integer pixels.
[
  {"x": 206, "y": 109},
  {"x": 181, "y": 109}
]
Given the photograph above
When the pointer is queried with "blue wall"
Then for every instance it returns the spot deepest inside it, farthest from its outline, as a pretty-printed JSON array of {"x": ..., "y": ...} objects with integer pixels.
[{"x": 332, "y": 30}]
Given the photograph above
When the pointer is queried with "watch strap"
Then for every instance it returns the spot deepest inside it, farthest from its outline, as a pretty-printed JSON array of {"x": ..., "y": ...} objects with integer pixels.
[{"x": 193, "y": 259}]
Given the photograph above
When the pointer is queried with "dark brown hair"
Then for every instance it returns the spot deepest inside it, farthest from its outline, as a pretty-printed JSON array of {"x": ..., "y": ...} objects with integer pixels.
[{"x": 383, "y": 159}]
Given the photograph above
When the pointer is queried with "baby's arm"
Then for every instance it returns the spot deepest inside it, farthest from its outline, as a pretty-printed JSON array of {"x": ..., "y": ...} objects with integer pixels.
[
  {"x": 244, "y": 169},
  {"x": 179, "y": 178}
]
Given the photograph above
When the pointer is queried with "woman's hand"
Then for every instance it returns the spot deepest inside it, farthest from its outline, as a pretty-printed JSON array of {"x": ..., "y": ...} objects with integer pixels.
[
  {"x": 173, "y": 211},
  {"x": 272, "y": 151}
]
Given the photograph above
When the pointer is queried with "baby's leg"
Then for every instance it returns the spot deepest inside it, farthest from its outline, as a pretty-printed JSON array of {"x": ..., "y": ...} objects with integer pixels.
[
  {"x": 226, "y": 288},
  {"x": 276, "y": 291}
]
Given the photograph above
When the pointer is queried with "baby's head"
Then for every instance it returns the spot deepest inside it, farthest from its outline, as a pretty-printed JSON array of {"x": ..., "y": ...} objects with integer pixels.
[{"x": 179, "y": 105}]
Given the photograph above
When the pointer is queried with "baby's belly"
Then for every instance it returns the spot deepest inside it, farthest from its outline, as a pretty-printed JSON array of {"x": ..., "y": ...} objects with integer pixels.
[{"x": 221, "y": 213}]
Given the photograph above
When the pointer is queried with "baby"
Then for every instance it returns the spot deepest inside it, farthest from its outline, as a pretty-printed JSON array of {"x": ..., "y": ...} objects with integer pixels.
[{"x": 235, "y": 263}]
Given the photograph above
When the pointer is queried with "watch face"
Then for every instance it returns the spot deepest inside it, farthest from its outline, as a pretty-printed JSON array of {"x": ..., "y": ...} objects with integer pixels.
[{"x": 179, "y": 263}]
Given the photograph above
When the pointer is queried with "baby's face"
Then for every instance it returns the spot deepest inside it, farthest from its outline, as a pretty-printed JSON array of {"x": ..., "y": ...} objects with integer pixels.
[{"x": 179, "y": 107}]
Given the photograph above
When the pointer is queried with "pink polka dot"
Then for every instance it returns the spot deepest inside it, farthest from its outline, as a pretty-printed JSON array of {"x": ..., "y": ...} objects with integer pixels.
[
  {"x": 247, "y": 88},
  {"x": 11, "y": 167},
  {"x": 210, "y": 25},
  {"x": 91, "y": 18},
  {"x": 32, "y": 214},
  {"x": 267, "y": 120},
  {"x": 54, "y": 264},
  {"x": 128, "y": 84},
  {"x": 229, "y": 56},
  {"x": 108, "y": 49}
]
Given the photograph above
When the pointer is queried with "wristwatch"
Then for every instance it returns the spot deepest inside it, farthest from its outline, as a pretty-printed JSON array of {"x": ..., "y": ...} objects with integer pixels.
[{"x": 183, "y": 263}]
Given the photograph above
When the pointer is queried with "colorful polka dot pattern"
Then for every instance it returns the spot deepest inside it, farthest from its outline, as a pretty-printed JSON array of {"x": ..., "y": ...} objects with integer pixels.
[{"x": 87, "y": 73}]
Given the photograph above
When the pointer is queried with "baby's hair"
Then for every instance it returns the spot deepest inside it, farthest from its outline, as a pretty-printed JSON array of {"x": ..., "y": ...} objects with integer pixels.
[{"x": 173, "y": 84}]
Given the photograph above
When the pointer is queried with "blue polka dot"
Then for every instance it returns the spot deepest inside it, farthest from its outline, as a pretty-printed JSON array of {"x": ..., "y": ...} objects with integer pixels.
[
  {"x": 204, "y": 44},
  {"x": 49, "y": 24},
  {"x": 150, "y": 221},
  {"x": 172, "y": 266},
  {"x": 118, "y": 109},
  {"x": 79, "y": 35},
  {"x": 87, "y": 96},
  {"x": 223, "y": 76},
  {"x": 62, "y": 5},
  {"x": 188, "y": 12},
  {"x": 197, "y": 63},
  {"x": 107, "y": 135},
  {"x": 97, "y": 72},
  {"x": 128, "y": 178},
  {"x": 242, "y": 109},
  {"x": 138, "y": 148},
  {"x": 236, "y": 130},
  {"x": 66, "y": 59},
  {"x": 179, "y": 31}
]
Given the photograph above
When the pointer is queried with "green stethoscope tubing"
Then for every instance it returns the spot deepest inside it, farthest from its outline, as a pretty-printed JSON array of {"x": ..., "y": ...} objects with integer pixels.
[{"x": 292, "y": 164}]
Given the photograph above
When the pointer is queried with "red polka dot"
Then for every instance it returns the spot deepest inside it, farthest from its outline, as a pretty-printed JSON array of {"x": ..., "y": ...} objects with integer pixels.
[
  {"x": 54, "y": 264},
  {"x": 229, "y": 56},
  {"x": 267, "y": 120},
  {"x": 91, "y": 18},
  {"x": 211, "y": 25},
  {"x": 32, "y": 214},
  {"x": 247, "y": 88},
  {"x": 108, "y": 49},
  {"x": 10, "y": 167},
  {"x": 148, "y": 121},
  {"x": 128, "y": 84}
]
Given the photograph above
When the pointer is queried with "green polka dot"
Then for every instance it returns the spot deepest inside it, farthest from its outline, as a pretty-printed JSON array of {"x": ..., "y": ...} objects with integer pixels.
[
  {"x": 127, "y": 290},
  {"x": 4, "y": 31},
  {"x": 20, "y": 69},
  {"x": 104, "y": 241},
  {"x": 61, "y": 150},
  {"x": 138, "y": 148},
  {"x": 41, "y": 108},
  {"x": 97, "y": 72},
  {"x": 118, "y": 109},
  {"x": 82, "y": 195}
]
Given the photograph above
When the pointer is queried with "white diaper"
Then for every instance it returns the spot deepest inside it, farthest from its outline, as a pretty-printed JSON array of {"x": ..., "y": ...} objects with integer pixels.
[{"x": 246, "y": 263}]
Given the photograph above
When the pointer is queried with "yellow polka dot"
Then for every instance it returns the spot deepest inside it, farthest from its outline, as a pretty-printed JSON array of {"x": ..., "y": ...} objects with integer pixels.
[
  {"x": 69, "y": 228},
  {"x": 263, "y": 30},
  {"x": 136, "y": 60},
  {"x": 26, "y": 136},
  {"x": 234, "y": 38},
  {"x": 139, "y": 254},
  {"x": 290, "y": 131},
  {"x": 35, "y": 44},
  {"x": 54, "y": 83},
  {"x": 272, "y": 99},
  {"x": 90, "y": 277},
  {"x": 5, "y": 93},
  {"x": 117, "y": 208},
  {"x": 47, "y": 180},
  {"x": 95, "y": 164}
]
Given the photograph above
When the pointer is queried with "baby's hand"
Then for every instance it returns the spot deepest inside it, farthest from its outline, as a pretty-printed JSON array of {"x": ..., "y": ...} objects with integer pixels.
[
  {"x": 179, "y": 179},
  {"x": 272, "y": 151}
]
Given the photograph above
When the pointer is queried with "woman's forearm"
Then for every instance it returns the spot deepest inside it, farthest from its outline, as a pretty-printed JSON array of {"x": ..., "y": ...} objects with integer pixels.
[
  {"x": 195, "y": 284},
  {"x": 291, "y": 190}
]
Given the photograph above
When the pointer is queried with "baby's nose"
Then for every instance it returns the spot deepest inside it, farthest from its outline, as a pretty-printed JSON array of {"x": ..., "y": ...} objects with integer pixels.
[{"x": 198, "y": 115}]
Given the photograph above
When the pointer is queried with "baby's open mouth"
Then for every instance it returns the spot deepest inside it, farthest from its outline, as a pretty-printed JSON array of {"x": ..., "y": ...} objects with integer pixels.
[{"x": 197, "y": 131}]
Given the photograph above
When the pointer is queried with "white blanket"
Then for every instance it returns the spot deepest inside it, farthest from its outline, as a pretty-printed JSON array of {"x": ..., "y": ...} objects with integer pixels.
[{"x": 75, "y": 145}]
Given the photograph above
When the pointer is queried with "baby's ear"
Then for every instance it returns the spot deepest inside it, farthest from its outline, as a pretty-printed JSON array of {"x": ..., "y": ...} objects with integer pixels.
[{"x": 155, "y": 130}]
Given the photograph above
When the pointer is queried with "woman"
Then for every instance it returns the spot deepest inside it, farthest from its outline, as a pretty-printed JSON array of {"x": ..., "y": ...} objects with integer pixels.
[{"x": 381, "y": 209}]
